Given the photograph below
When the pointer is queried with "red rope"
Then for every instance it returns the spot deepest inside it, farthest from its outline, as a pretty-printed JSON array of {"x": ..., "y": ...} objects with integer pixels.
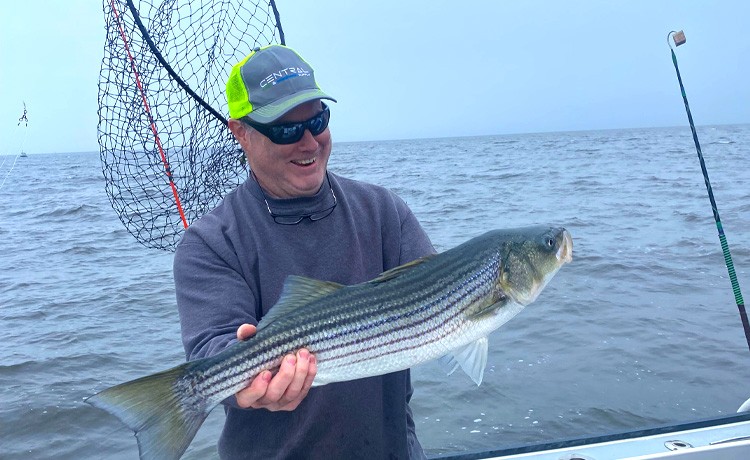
[{"x": 150, "y": 117}]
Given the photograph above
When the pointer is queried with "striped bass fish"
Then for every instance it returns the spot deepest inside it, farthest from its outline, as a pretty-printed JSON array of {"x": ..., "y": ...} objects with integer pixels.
[{"x": 442, "y": 305}]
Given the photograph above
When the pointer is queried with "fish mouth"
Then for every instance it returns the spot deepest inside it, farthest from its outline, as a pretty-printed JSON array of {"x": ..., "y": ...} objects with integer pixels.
[
  {"x": 565, "y": 252},
  {"x": 563, "y": 255}
]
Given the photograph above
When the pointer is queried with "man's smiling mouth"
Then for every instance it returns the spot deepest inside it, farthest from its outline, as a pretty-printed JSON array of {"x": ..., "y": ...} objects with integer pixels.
[{"x": 304, "y": 162}]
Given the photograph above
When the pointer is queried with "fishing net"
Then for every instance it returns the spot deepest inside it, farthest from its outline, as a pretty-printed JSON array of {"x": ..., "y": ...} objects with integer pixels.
[{"x": 167, "y": 156}]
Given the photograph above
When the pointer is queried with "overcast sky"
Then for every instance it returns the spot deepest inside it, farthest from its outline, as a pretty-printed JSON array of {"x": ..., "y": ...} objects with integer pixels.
[{"x": 413, "y": 69}]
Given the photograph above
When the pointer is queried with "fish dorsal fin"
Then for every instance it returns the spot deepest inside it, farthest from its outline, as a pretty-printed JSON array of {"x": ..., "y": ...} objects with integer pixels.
[
  {"x": 472, "y": 358},
  {"x": 401, "y": 269},
  {"x": 297, "y": 292}
]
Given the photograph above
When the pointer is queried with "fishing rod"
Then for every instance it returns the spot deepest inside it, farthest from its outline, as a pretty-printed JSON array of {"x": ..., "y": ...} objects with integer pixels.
[{"x": 679, "y": 39}]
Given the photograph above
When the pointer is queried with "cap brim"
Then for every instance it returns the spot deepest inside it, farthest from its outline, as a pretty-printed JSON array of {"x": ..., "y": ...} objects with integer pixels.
[{"x": 272, "y": 112}]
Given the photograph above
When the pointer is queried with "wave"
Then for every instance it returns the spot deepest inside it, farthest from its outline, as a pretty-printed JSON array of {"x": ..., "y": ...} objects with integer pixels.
[{"x": 81, "y": 209}]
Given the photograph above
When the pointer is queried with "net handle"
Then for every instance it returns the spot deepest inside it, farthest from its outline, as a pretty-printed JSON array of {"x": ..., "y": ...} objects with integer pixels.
[
  {"x": 278, "y": 21},
  {"x": 172, "y": 73},
  {"x": 167, "y": 67}
]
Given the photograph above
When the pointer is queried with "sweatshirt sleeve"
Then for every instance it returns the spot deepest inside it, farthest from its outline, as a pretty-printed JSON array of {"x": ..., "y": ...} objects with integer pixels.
[{"x": 213, "y": 298}]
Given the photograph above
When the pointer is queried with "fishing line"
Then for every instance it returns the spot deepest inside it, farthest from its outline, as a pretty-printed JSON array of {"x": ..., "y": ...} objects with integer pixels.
[
  {"x": 679, "y": 39},
  {"x": 9, "y": 171},
  {"x": 18, "y": 155},
  {"x": 147, "y": 108}
]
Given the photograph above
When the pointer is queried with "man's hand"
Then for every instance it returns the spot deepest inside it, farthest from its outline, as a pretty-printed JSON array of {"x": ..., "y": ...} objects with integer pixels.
[{"x": 283, "y": 391}]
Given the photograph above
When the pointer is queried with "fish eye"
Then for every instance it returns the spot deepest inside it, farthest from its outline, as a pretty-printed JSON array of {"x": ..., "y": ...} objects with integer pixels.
[{"x": 551, "y": 242}]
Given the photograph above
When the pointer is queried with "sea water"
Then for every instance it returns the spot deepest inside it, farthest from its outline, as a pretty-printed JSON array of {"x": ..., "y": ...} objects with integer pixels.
[{"x": 640, "y": 329}]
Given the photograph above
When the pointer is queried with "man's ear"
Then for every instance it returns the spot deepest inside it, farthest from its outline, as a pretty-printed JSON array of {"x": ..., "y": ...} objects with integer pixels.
[
  {"x": 242, "y": 134},
  {"x": 237, "y": 128}
]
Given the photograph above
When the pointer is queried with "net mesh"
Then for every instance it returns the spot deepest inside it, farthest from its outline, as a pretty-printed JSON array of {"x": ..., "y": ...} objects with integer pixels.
[{"x": 141, "y": 106}]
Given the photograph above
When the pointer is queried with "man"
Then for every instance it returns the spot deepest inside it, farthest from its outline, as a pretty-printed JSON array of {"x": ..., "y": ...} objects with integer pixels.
[{"x": 293, "y": 217}]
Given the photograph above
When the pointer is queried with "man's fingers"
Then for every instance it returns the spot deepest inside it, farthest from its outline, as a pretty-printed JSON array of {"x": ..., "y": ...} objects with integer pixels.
[
  {"x": 306, "y": 385},
  {"x": 311, "y": 371},
  {"x": 286, "y": 389},
  {"x": 300, "y": 375},
  {"x": 249, "y": 396},
  {"x": 281, "y": 380}
]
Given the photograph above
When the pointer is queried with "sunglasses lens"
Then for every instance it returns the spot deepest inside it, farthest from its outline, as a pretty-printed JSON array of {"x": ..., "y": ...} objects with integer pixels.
[
  {"x": 286, "y": 134},
  {"x": 322, "y": 214},
  {"x": 287, "y": 220},
  {"x": 319, "y": 123}
]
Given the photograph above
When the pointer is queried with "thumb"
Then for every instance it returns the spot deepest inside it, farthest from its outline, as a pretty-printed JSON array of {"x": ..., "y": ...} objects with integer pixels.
[{"x": 245, "y": 331}]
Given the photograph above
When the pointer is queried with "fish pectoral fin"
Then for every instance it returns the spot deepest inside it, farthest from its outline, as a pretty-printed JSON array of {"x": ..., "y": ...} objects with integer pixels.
[
  {"x": 396, "y": 271},
  {"x": 449, "y": 363},
  {"x": 478, "y": 310},
  {"x": 472, "y": 358},
  {"x": 297, "y": 292}
]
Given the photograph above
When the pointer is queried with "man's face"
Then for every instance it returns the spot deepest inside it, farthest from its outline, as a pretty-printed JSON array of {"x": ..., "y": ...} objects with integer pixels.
[{"x": 287, "y": 171}]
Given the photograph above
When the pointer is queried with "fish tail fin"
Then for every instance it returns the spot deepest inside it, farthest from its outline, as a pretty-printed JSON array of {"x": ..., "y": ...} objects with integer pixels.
[{"x": 164, "y": 417}]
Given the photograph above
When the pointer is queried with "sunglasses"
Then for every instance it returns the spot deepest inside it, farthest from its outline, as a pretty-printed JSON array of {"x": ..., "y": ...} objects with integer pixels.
[
  {"x": 289, "y": 133},
  {"x": 294, "y": 219}
]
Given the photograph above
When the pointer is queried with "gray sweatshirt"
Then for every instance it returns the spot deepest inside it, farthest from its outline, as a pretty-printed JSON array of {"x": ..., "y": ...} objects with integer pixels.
[{"x": 229, "y": 269}]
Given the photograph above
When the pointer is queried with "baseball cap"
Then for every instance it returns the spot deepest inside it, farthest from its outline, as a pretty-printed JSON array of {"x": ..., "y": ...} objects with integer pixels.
[{"x": 269, "y": 82}]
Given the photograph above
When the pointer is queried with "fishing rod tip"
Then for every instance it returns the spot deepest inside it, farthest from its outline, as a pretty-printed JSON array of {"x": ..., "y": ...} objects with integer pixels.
[{"x": 678, "y": 37}]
